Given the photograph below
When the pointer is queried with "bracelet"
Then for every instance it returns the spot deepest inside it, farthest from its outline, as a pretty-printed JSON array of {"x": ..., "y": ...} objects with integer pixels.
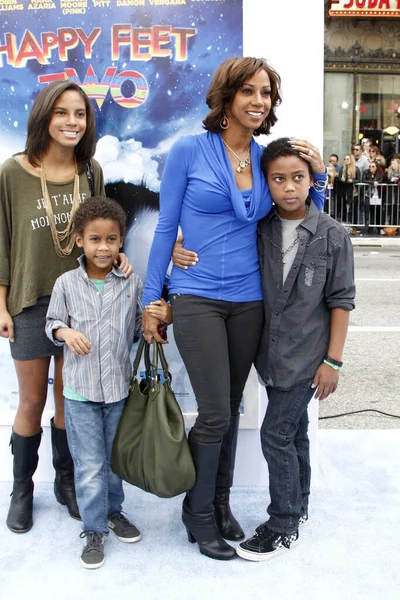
[
  {"x": 334, "y": 367},
  {"x": 320, "y": 186},
  {"x": 338, "y": 363}
]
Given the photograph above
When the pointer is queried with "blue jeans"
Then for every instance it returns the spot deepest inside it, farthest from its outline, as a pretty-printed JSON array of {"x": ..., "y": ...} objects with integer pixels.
[
  {"x": 91, "y": 428},
  {"x": 286, "y": 447}
]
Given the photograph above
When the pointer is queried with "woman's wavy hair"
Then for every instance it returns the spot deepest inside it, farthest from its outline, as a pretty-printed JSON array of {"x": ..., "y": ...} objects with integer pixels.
[
  {"x": 38, "y": 137},
  {"x": 228, "y": 79},
  {"x": 350, "y": 172}
]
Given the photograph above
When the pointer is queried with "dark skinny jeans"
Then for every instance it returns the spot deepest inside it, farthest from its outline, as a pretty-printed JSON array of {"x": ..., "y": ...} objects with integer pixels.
[{"x": 217, "y": 341}]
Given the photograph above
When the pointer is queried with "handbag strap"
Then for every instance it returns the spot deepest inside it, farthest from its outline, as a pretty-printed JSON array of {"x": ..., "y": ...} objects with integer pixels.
[
  {"x": 138, "y": 356},
  {"x": 163, "y": 361},
  {"x": 158, "y": 353},
  {"x": 152, "y": 363}
]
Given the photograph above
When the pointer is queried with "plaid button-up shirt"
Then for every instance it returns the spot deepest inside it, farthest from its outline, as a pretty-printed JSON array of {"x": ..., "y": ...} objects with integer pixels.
[{"x": 109, "y": 321}]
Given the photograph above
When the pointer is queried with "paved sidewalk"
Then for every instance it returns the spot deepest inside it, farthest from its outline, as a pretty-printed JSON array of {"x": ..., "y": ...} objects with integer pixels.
[{"x": 377, "y": 241}]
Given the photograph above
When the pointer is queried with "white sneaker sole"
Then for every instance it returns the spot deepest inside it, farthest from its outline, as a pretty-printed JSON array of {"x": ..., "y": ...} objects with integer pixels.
[
  {"x": 127, "y": 540},
  {"x": 256, "y": 557},
  {"x": 96, "y": 566}
]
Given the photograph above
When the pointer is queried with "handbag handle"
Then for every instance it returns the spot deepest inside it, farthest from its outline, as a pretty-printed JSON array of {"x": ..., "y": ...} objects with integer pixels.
[
  {"x": 163, "y": 360},
  {"x": 152, "y": 364},
  {"x": 138, "y": 356}
]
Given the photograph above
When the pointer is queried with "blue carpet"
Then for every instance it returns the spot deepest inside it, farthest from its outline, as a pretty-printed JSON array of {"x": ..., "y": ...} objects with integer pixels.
[{"x": 348, "y": 551}]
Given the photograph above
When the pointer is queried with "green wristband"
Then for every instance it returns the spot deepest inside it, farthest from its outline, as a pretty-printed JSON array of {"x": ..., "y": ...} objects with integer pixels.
[{"x": 334, "y": 367}]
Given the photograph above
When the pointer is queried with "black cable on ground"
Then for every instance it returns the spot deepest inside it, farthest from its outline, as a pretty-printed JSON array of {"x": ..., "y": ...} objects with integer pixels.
[{"x": 355, "y": 412}]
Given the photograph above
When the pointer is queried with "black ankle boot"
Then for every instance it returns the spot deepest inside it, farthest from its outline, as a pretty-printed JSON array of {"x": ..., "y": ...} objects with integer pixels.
[
  {"x": 227, "y": 525},
  {"x": 25, "y": 451},
  {"x": 198, "y": 510},
  {"x": 64, "y": 486}
]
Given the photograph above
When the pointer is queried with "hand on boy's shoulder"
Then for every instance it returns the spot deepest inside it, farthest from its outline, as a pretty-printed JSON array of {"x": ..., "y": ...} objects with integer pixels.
[{"x": 325, "y": 381}]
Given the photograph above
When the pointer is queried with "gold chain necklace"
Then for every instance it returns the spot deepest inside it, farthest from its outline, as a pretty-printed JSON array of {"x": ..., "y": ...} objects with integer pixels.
[
  {"x": 67, "y": 233},
  {"x": 243, "y": 162}
]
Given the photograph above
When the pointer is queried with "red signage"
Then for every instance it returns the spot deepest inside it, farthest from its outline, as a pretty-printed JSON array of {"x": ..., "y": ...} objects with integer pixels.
[{"x": 364, "y": 8}]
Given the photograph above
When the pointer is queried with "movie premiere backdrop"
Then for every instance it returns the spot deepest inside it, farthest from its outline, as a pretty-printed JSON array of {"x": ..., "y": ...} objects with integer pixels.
[{"x": 146, "y": 65}]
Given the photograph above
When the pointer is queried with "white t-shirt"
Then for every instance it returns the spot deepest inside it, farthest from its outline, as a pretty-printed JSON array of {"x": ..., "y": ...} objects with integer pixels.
[{"x": 289, "y": 234}]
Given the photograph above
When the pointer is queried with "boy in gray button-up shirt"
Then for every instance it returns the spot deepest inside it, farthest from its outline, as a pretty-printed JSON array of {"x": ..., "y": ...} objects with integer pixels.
[
  {"x": 307, "y": 269},
  {"x": 96, "y": 313}
]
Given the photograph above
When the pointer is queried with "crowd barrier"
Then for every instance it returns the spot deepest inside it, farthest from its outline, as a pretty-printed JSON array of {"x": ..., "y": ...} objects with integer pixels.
[{"x": 364, "y": 205}]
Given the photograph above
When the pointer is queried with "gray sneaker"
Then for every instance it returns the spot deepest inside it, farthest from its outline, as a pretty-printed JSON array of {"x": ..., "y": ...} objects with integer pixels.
[
  {"x": 92, "y": 556},
  {"x": 123, "y": 529}
]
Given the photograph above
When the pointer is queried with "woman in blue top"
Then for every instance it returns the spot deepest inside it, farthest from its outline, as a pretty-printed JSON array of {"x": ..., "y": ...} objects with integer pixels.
[{"x": 213, "y": 187}]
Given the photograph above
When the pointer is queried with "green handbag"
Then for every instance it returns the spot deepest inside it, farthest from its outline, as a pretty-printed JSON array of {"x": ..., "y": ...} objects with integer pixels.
[{"x": 151, "y": 450}]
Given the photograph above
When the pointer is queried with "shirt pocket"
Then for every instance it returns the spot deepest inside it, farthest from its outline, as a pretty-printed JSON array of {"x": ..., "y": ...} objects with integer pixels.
[{"x": 313, "y": 271}]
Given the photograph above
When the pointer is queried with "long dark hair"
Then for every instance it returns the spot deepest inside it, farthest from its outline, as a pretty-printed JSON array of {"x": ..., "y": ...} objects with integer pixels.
[
  {"x": 38, "y": 137},
  {"x": 228, "y": 79}
]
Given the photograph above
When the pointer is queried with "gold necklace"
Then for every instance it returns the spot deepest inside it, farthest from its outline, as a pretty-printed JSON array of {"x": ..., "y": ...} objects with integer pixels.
[
  {"x": 67, "y": 233},
  {"x": 243, "y": 162}
]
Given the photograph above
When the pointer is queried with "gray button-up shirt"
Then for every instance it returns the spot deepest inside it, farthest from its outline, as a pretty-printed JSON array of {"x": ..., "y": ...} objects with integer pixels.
[
  {"x": 109, "y": 321},
  {"x": 296, "y": 332}
]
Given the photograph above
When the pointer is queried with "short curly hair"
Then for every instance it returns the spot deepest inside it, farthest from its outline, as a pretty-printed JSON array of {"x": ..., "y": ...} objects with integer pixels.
[
  {"x": 99, "y": 207},
  {"x": 228, "y": 79},
  {"x": 276, "y": 149}
]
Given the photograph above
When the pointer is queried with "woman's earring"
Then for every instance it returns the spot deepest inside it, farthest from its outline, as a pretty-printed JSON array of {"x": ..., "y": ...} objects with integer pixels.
[{"x": 224, "y": 123}]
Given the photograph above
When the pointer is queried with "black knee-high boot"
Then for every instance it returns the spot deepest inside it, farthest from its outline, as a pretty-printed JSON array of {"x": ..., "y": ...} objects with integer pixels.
[
  {"x": 25, "y": 451},
  {"x": 198, "y": 509},
  {"x": 227, "y": 525},
  {"x": 64, "y": 486}
]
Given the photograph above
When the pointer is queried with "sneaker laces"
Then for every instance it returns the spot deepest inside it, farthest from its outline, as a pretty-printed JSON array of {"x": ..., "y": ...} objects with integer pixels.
[
  {"x": 266, "y": 533},
  {"x": 94, "y": 540},
  {"x": 285, "y": 539},
  {"x": 118, "y": 516}
]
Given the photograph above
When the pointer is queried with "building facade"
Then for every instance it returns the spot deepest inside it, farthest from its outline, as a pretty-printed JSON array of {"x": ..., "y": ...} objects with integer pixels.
[{"x": 362, "y": 75}]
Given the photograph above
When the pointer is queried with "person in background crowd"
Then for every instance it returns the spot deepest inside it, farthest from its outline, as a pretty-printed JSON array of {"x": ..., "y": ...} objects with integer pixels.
[
  {"x": 366, "y": 144},
  {"x": 349, "y": 174},
  {"x": 392, "y": 177},
  {"x": 375, "y": 154},
  {"x": 374, "y": 195},
  {"x": 333, "y": 187},
  {"x": 362, "y": 161},
  {"x": 393, "y": 171},
  {"x": 36, "y": 246},
  {"x": 213, "y": 187},
  {"x": 334, "y": 162},
  {"x": 331, "y": 190}
]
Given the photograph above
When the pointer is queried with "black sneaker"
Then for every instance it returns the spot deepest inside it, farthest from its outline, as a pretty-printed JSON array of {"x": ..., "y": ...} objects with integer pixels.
[
  {"x": 266, "y": 545},
  {"x": 92, "y": 556},
  {"x": 123, "y": 529},
  {"x": 302, "y": 521}
]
